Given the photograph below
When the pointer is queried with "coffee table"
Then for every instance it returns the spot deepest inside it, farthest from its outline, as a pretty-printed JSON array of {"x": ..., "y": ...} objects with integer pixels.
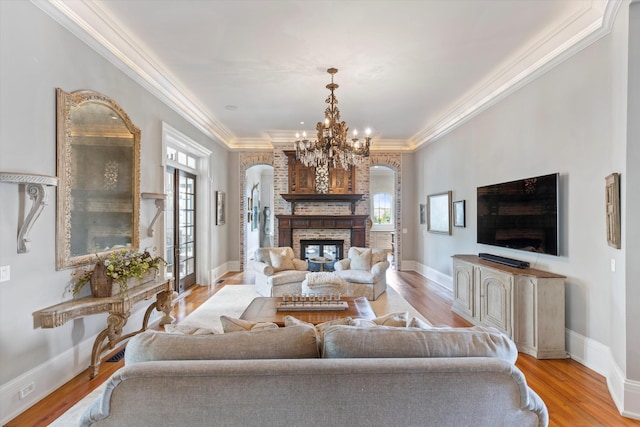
[{"x": 264, "y": 309}]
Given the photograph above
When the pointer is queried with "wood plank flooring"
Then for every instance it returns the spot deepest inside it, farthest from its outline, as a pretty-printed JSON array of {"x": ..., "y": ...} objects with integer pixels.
[{"x": 576, "y": 396}]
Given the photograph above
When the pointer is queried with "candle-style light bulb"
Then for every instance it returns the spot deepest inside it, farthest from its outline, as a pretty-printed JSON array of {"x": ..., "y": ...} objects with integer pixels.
[
  {"x": 355, "y": 133},
  {"x": 297, "y": 135},
  {"x": 368, "y": 131},
  {"x": 304, "y": 134}
]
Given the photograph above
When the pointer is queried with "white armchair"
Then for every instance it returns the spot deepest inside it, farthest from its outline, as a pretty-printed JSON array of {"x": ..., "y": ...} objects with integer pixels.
[
  {"x": 365, "y": 271},
  {"x": 277, "y": 271}
]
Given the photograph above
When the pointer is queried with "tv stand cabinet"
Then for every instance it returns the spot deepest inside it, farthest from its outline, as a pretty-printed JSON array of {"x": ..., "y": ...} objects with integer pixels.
[{"x": 524, "y": 303}]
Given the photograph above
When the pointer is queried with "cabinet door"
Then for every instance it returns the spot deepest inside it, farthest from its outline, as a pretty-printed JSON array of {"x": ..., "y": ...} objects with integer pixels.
[
  {"x": 463, "y": 289},
  {"x": 341, "y": 180},
  {"x": 495, "y": 299}
]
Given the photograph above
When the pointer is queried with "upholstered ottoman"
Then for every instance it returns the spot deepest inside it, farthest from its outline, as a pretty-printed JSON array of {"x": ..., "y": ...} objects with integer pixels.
[{"x": 324, "y": 283}]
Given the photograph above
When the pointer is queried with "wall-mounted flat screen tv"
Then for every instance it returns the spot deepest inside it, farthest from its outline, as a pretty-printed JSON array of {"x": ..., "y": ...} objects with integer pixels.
[{"x": 520, "y": 214}]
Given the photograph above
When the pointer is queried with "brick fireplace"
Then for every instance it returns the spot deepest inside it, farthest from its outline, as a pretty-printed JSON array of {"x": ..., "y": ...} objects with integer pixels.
[{"x": 312, "y": 216}]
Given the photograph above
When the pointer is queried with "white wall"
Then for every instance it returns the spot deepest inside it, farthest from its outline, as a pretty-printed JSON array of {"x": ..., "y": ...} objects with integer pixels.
[
  {"x": 37, "y": 55},
  {"x": 571, "y": 120}
]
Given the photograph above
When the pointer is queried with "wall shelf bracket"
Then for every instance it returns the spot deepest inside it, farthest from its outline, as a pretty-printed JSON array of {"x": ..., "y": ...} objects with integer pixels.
[
  {"x": 160, "y": 205},
  {"x": 34, "y": 186}
]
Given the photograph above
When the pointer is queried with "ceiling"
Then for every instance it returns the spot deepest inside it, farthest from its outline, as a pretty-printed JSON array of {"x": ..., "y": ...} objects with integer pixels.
[{"x": 248, "y": 72}]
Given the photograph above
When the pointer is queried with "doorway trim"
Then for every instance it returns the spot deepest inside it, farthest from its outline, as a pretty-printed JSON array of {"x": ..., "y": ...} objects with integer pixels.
[
  {"x": 248, "y": 160},
  {"x": 171, "y": 137}
]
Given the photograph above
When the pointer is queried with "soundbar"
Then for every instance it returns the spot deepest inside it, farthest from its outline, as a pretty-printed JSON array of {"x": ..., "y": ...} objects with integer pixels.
[{"x": 504, "y": 260}]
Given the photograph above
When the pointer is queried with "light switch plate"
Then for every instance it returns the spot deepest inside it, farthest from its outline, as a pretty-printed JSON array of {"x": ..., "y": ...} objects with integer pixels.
[{"x": 5, "y": 273}]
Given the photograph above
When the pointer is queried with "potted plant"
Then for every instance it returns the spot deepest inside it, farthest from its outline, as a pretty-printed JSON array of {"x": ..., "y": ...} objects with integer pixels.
[{"x": 120, "y": 266}]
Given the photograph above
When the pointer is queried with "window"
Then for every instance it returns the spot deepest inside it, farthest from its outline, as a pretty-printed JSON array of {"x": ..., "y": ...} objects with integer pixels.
[
  {"x": 181, "y": 157},
  {"x": 382, "y": 213}
]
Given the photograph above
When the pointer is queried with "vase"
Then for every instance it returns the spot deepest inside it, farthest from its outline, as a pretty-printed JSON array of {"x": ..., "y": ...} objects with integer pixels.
[
  {"x": 117, "y": 289},
  {"x": 101, "y": 284}
]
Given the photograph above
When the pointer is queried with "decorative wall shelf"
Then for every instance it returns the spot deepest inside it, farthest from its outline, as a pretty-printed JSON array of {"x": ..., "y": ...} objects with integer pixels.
[
  {"x": 34, "y": 187},
  {"x": 294, "y": 198},
  {"x": 160, "y": 199}
]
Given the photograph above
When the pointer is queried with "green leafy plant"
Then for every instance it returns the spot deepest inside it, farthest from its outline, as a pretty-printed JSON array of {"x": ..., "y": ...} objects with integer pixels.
[{"x": 120, "y": 266}]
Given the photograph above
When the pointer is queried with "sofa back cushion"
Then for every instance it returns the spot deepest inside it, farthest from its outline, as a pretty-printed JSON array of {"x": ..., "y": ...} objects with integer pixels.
[
  {"x": 295, "y": 342},
  {"x": 379, "y": 342}
]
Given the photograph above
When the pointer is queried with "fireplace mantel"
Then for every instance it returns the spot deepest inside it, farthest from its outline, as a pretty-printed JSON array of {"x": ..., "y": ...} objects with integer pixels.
[
  {"x": 356, "y": 223},
  {"x": 294, "y": 198}
]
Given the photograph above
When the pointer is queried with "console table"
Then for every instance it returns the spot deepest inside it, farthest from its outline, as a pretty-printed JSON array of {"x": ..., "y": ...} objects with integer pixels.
[
  {"x": 119, "y": 309},
  {"x": 524, "y": 303}
]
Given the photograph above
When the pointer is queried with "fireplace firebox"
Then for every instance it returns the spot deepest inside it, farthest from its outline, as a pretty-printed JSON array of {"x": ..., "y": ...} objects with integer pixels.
[{"x": 330, "y": 249}]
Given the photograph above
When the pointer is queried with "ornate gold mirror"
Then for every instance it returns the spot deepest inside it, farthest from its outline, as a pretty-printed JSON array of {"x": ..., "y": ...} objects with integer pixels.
[{"x": 98, "y": 166}]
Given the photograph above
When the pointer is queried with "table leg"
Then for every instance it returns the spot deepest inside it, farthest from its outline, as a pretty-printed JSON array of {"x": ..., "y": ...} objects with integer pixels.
[{"x": 115, "y": 323}]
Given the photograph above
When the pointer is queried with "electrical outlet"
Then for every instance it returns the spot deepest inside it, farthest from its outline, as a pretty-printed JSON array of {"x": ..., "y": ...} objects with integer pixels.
[
  {"x": 613, "y": 265},
  {"x": 27, "y": 390},
  {"x": 5, "y": 273}
]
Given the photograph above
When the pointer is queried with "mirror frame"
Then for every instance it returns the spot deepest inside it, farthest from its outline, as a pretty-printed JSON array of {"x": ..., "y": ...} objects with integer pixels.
[{"x": 66, "y": 103}]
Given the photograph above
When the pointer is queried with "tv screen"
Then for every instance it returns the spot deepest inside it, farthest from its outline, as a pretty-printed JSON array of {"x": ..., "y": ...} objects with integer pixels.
[{"x": 520, "y": 214}]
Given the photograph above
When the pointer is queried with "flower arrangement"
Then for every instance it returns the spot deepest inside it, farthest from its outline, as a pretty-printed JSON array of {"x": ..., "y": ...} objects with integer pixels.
[{"x": 120, "y": 266}]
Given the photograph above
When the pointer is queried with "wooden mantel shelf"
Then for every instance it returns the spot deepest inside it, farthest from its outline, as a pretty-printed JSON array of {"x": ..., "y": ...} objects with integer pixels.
[{"x": 294, "y": 198}]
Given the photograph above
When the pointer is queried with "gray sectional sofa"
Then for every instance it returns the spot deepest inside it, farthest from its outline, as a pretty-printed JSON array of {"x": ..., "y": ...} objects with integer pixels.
[{"x": 347, "y": 376}]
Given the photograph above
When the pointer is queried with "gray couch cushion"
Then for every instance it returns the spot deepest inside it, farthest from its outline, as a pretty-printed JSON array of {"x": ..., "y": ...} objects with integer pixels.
[
  {"x": 284, "y": 343},
  {"x": 378, "y": 342}
]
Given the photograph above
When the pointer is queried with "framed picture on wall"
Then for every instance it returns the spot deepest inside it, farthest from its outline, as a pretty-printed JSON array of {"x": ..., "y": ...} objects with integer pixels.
[
  {"x": 439, "y": 213},
  {"x": 613, "y": 210},
  {"x": 458, "y": 214},
  {"x": 220, "y": 207}
]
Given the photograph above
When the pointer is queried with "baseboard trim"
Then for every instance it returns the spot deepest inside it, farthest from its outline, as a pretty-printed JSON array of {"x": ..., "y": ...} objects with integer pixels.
[
  {"x": 431, "y": 274},
  {"x": 598, "y": 357},
  {"x": 223, "y": 269},
  {"x": 57, "y": 371}
]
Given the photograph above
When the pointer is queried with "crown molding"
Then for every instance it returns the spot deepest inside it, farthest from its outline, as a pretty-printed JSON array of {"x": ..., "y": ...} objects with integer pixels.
[
  {"x": 92, "y": 24},
  {"x": 593, "y": 20}
]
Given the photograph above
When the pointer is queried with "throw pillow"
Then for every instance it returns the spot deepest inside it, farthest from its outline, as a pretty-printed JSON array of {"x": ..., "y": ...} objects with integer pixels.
[
  {"x": 280, "y": 262},
  {"x": 361, "y": 261},
  {"x": 319, "y": 328},
  {"x": 187, "y": 330},
  {"x": 230, "y": 324},
  {"x": 392, "y": 319},
  {"x": 419, "y": 323}
]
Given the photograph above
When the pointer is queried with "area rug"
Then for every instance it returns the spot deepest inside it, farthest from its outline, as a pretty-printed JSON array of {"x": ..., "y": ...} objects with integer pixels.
[
  {"x": 232, "y": 301},
  {"x": 229, "y": 301}
]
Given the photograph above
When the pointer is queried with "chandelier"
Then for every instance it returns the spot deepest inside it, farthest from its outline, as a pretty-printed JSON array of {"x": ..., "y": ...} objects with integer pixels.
[{"x": 333, "y": 146}]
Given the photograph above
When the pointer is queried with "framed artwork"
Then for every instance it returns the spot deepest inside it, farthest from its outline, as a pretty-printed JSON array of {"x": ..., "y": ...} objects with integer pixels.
[
  {"x": 458, "y": 214},
  {"x": 423, "y": 213},
  {"x": 613, "y": 210},
  {"x": 439, "y": 213},
  {"x": 255, "y": 207},
  {"x": 220, "y": 207}
]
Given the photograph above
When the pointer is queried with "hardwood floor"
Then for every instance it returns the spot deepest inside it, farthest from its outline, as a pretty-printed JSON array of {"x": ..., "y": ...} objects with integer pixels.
[{"x": 575, "y": 395}]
